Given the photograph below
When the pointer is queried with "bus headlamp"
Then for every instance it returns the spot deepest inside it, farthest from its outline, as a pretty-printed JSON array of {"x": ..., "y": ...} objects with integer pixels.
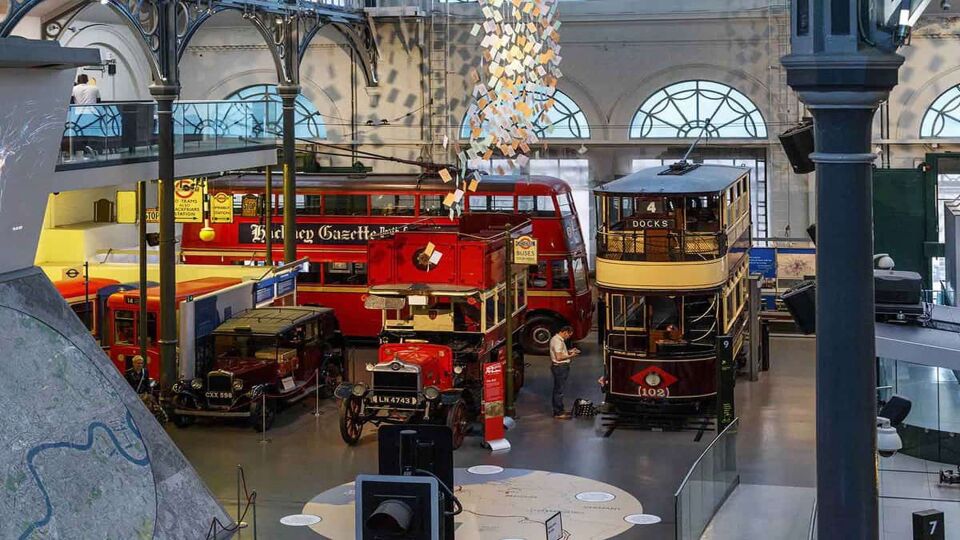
[
  {"x": 370, "y": 366},
  {"x": 359, "y": 390},
  {"x": 431, "y": 393},
  {"x": 458, "y": 369},
  {"x": 196, "y": 384}
]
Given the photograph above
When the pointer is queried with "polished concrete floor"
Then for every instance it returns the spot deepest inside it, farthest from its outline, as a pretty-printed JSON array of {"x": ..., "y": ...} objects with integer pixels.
[{"x": 305, "y": 456}]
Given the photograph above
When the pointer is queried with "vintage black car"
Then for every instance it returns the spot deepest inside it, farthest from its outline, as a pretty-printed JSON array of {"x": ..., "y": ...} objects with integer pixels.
[{"x": 264, "y": 359}]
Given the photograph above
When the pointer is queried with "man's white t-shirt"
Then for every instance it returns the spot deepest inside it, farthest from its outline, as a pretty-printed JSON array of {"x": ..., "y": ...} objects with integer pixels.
[
  {"x": 85, "y": 94},
  {"x": 558, "y": 349}
]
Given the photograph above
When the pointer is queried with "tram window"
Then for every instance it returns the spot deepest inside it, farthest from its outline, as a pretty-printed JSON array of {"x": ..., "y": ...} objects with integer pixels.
[
  {"x": 431, "y": 205},
  {"x": 580, "y": 275},
  {"x": 526, "y": 204},
  {"x": 627, "y": 312},
  {"x": 312, "y": 275},
  {"x": 391, "y": 205},
  {"x": 123, "y": 328},
  {"x": 491, "y": 312},
  {"x": 311, "y": 205},
  {"x": 344, "y": 273},
  {"x": 345, "y": 205},
  {"x": 663, "y": 312},
  {"x": 560, "y": 271},
  {"x": 537, "y": 276},
  {"x": 501, "y": 305},
  {"x": 152, "y": 327}
]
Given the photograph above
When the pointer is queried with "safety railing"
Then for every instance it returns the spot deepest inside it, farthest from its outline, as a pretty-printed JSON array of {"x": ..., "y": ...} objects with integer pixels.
[
  {"x": 117, "y": 132},
  {"x": 650, "y": 246},
  {"x": 707, "y": 485}
]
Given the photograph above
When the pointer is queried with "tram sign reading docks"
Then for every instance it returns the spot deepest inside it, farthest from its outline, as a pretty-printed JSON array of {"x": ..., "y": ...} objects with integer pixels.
[
  {"x": 525, "y": 250},
  {"x": 635, "y": 224}
]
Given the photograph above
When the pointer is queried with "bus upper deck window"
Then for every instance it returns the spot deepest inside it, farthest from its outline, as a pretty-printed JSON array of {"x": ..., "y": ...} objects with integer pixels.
[
  {"x": 501, "y": 203},
  {"x": 479, "y": 203},
  {"x": 124, "y": 331},
  {"x": 311, "y": 205},
  {"x": 526, "y": 204},
  {"x": 392, "y": 205},
  {"x": 545, "y": 206},
  {"x": 432, "y": 205}
]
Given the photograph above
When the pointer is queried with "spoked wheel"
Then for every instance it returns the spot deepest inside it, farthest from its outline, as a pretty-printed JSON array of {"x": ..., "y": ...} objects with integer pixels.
[
  {"x": 351, "y": 424},
  {"x": 457, "y": 422},
  {"x": 182, "y": 420}
]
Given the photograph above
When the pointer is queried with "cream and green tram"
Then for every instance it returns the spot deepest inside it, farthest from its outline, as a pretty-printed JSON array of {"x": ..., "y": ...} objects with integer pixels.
[{"x": 672, "y": 265}]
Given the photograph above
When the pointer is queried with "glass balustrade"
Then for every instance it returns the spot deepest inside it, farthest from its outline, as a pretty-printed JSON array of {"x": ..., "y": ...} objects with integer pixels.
[
  {"x": 707, "y": 485},
  {"x": 122, "y": 132}
]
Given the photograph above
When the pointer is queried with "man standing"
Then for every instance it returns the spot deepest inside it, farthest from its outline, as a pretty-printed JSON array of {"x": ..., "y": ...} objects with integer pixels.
[
  {"x": 560, "y": 359},
  {"x": 85, "y": 93},
  {"x": 137, "y": 375}
]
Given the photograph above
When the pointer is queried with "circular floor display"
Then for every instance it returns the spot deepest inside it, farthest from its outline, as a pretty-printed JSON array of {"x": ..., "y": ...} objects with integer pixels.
[
  {"x": 642, "y": 519},
  {"x": 506, "y": 504},
  {"x": 300, "y": 520},
  {"x": 485, "y": 469},
  {"x": 595, "y": 496}
]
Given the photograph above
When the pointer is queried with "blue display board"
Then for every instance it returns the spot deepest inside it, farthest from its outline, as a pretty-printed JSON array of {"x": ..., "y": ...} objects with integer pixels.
[{"x": 763, "y": 261}]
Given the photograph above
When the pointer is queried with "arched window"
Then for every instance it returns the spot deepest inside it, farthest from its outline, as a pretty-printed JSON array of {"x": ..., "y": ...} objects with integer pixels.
[
  {"x": 942, "y": 118},
  {"x": 268, "y": 118},
  {"x": 565, "y": 119},
  {"x": 687, "y": 109}
]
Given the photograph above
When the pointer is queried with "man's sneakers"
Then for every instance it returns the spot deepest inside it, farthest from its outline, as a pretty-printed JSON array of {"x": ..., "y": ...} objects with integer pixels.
[{"x": 563, "y": 416}]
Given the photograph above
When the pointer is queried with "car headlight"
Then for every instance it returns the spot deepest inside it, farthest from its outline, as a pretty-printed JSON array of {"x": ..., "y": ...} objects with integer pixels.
[
  {"x": 458, "y": 369},
  {"x": 177, "y": 388},
  {"x": 359, "y": 390},
  {"x": 370, "y": 366},
  {"x": 238, "y": 384},
  {"x": 431, "y": 392},
  {"x": 196, "y": 384}
]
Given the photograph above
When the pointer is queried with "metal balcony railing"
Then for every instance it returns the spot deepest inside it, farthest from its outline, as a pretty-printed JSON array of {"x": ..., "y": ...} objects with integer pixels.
[
  {"x": 660, "y": 247},
  {"x": 121, "y": 132}
]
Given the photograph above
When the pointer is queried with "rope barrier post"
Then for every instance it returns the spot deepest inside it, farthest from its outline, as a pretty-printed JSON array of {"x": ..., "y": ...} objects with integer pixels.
[
  {"x": 240, "y": 524},
  {"x": 316, "y": 408},
  {"x": 254, "y": 515}
]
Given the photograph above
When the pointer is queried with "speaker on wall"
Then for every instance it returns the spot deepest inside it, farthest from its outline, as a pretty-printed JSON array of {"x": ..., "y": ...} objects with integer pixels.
[{"x": 797, "y": 142}]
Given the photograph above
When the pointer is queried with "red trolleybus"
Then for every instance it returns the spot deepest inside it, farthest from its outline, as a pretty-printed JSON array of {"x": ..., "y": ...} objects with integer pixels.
[
  {"x": 124, "y": 312},
  {"x": 81, "y": 295},
  {"x": 337, "y": 216}
]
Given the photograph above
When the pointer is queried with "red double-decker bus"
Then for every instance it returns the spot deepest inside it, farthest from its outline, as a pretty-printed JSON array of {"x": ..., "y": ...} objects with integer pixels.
[{"x": 337, "y": 216}]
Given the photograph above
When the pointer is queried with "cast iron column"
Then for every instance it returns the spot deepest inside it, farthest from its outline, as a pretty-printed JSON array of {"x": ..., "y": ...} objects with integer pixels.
[
  {"x": 289, "y": 95},
  {"x": 165, "y": 90},
  {"x": 842, "y": 81},
  {"x": 142, "y": 224},
  {"x": 268, "y": 215}
]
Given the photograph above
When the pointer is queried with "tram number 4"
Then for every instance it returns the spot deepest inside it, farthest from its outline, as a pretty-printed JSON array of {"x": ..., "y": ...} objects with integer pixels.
[{"x": 652, "y": 392}]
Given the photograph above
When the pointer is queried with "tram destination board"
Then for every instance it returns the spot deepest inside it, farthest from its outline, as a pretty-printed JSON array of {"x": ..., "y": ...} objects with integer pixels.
[
  {"x": 319, "y": 233},
  {"x": 636, "y": 224}
]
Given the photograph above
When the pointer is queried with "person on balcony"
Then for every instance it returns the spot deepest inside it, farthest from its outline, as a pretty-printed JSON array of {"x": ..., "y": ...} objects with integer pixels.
[{"x": 84, "y": 93}]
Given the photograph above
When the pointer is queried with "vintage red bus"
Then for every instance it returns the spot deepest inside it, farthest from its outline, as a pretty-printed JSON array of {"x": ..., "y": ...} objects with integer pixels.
[
  {"x": 336, "y": 216},
  {"x": 123, "y": 319}
]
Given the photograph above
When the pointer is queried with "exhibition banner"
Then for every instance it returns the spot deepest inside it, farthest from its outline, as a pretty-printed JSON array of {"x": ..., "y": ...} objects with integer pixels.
[{"x": 493, "y": 396}]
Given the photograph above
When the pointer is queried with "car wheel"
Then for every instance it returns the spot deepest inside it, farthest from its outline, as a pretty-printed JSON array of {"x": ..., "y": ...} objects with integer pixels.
[
  {"x": 457, "y": 422},
  {"x": 351, "y": 424},
  {"x": 262, "y": 420},
  {"x": 537, "y": 333}
]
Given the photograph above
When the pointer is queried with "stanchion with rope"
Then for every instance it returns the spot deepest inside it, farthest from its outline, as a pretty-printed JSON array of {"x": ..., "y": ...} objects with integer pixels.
[{"x": 250, "y": 497}]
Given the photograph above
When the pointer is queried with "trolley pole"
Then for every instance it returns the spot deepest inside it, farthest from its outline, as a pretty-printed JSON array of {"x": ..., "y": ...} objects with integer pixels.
[
  {"x": 142, "y": 256},
  {"x": 510, "y": 407},
  {"x": 842, "y": 80},
  {"x": 268, "y": 215}
]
